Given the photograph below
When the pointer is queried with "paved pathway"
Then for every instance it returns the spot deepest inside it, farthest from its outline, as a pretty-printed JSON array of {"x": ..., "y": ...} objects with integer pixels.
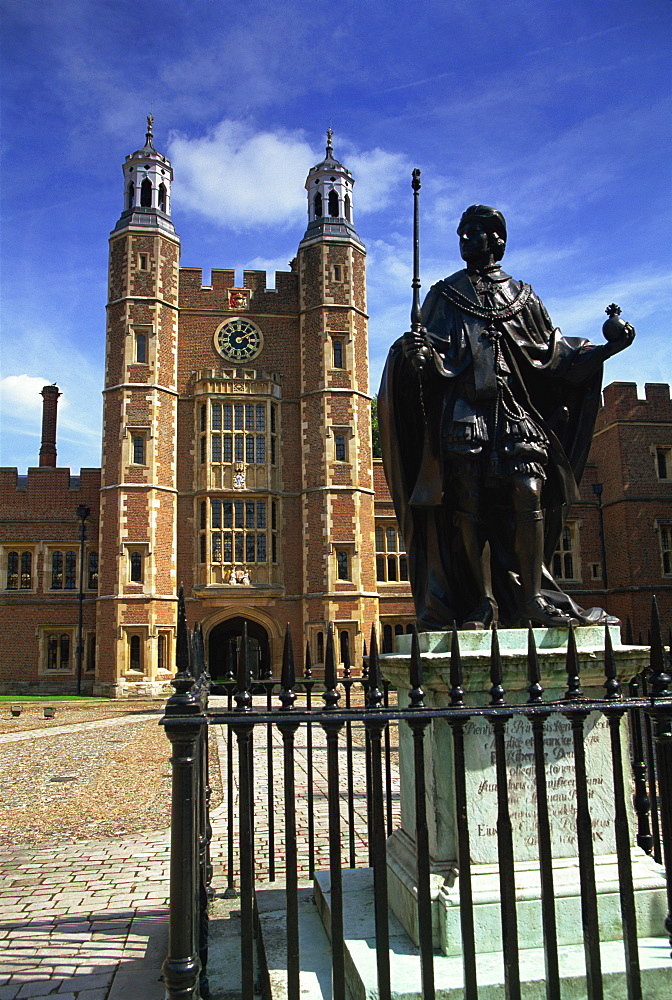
[{"x": 89, "y": 921}]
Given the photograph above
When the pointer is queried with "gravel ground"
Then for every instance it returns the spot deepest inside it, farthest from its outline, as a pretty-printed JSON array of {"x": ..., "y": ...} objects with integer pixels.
[{"x": 100, "y": 782}]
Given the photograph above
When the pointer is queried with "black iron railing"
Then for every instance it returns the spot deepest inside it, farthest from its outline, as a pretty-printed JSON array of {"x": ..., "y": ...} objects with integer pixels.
[{"x": 330, "y": 724}]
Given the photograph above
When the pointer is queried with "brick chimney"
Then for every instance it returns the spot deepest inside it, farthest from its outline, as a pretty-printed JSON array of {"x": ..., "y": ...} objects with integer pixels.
[{"x": 50, "y": 396}]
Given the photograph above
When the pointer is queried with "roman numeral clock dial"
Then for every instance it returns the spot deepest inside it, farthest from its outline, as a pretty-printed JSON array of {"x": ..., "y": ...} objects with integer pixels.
[{"x": 239, "y": 340}]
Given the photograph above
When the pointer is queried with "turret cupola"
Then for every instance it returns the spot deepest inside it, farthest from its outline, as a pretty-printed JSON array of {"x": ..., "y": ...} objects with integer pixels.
[
  {"x": 147, "y": 179},
  {"x": 329, "y": 186}
]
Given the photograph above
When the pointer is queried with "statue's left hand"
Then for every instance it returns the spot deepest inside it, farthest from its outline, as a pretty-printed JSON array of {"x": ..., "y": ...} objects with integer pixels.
[{"x": 627, "y": 335}]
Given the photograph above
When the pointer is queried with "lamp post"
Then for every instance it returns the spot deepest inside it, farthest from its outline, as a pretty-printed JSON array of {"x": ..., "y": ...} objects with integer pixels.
[{"x": 82, "y": 513}]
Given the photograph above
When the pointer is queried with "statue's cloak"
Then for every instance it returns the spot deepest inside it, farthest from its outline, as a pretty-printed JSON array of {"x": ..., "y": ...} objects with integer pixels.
[{"x": 557, "y": 381}]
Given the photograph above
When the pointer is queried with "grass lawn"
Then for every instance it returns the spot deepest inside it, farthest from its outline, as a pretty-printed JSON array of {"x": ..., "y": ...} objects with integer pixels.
[{"x": 50, "y": 697}]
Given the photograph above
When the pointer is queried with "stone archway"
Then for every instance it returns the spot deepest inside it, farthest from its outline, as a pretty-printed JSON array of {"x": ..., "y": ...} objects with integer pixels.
[{"x": 223, "y": 643}]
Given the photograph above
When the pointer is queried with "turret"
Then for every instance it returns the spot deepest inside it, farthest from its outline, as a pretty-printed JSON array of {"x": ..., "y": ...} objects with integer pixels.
[
  {"x": 147, "y": 179},
  {"x": 138, "y": 508},
  {"x": 337, "y": 487},
  {"x": 329, "y": 185}
]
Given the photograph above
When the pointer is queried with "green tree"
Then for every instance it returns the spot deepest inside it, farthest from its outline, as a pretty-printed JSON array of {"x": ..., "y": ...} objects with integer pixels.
[{"x": 375, "y": 435}]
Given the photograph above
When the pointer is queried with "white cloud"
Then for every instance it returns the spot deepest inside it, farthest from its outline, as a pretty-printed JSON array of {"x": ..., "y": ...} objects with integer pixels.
[
  {"x": 378, "y": 175},
  {"x": 21, "y": 393},
  {"x": 242, "y": 178}
]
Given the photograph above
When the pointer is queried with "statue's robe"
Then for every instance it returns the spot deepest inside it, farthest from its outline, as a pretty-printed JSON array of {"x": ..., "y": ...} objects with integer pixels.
[{"x": 555, "y": 379}]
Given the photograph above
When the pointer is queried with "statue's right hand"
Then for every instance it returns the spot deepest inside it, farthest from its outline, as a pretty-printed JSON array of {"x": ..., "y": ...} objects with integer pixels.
[{"x": 415, "y": 349}]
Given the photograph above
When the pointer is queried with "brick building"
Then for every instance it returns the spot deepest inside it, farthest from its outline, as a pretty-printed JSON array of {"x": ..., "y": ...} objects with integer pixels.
[
  {"x": 616, "y": 549},
  {"x": 237, "y": 461}
]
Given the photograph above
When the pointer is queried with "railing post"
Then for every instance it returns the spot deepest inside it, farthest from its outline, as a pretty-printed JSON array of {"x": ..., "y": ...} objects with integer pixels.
[
  {"x": 182, "y": 967},
  {"x": 418, "y": 724},
  {"x": 661, "y": 715},
  {"x": 184, "y": 722},
  {"x": 332, "y": 729},
  {"x": 375, "y": 726},
  {"x": 584, "y": 829},
  {"x": 288, "y": 731},
  {"x": 205, "y": 891},
  {"x": 537, "y": 722},
  {"x": 507, "y": 883},
  {"x": 641, "y": 800},
  {"x": 461, "y": 806}
]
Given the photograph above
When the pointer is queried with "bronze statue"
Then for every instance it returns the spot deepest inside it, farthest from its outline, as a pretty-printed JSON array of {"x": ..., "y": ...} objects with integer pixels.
[{"x": 486, "y": 414}]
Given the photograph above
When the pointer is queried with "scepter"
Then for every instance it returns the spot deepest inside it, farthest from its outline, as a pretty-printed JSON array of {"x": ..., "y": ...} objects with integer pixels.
[
  {"x": 422, "y": 353},
  {"x": 416, "y": 311}
]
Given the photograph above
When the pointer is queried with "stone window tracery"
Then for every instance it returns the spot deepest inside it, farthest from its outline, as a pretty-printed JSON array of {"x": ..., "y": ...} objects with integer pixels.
[
  {"x": 19, "y": 570},
  {"x": 665, "y": 535},
  {"x": 663, "y": 457},
  {"x": 236, "y": 513},
  {"x": 135, "y": 567},
  {"x": 64, "y": 570},
  {"x": 92, "y": 578},
  {"x": 391, "y": 561},
  {"x": 59, "y": 646},
  {"x": 566, "y": 561}
]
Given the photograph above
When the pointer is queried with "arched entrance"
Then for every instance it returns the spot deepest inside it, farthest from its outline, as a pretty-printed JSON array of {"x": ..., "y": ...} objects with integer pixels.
[{"x": 223, "y": 645}]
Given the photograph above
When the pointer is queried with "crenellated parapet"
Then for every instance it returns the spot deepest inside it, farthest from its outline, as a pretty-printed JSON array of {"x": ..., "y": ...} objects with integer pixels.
[
  {"x": 223, "y": 295},
  {"x": 621, "y": 402},
  {"x": 46, "y": 487}
]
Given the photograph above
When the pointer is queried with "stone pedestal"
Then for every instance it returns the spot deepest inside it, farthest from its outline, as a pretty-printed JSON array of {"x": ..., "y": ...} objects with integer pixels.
[{"x": 482, "y": 793}]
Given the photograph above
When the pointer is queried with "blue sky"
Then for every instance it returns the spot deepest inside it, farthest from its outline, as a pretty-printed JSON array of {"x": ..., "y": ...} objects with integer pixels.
[{"x": 556, "y": 112}]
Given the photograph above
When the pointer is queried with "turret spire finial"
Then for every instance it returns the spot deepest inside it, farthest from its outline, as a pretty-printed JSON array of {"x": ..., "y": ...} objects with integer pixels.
[
  {"x": 148, "y": 135},
  {"x": 330, "y": 148}
]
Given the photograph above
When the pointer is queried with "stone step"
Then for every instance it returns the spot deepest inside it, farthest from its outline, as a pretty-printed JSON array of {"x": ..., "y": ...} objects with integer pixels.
[
  {"x": 271, "y": 951},
  {"x": 358, "y": 922},
  {"x": 224, "y": 972},
  {"x": 315, "y": 950}
]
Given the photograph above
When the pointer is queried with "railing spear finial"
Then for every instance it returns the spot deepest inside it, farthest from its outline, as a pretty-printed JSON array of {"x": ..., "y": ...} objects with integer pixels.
[
  {"x": 242, "y": 694},
  {"x": 496, "y": 673},
  {"x": 534, "y": 690},
  {"x": 416, "y": 695},
  {"x": 456, "y": 673},
  {"x": 374, "y": 695},
  {"x": 660, "y": 678},
  {"x": 184, "y": 679},
  {"x": 345, "y": 649},
  {"x": 288, "y": 678},
  {"x": 572, "y": 668},
  {"x": 331, "y": 696},
  {"x": 611, "y": 684}
]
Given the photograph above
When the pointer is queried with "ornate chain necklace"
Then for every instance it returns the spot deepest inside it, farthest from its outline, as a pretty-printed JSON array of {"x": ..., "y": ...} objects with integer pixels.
[
  {"x": 505, "y": 400},
  {"x": 491, "y": 314}
]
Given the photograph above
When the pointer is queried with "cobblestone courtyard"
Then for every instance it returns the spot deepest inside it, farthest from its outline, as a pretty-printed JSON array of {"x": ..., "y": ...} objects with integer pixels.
[{"x": 84, "y": 844}]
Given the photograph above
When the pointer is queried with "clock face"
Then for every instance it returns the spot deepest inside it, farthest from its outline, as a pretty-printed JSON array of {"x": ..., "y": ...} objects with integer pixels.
[{"x": 239, "y": 340}]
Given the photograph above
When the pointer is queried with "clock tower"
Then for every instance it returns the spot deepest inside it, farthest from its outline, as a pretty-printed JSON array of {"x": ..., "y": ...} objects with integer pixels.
[{"x": 136, "y": 608}]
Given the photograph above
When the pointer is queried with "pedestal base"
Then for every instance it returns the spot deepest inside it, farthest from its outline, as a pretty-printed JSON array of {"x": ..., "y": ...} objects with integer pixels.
[
  {"x": 649, "y": 894},
  {"x": 481, "y": 783}
]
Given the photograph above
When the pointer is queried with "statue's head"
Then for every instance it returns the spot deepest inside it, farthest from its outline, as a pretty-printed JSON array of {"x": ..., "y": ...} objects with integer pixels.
[{"x": 482, "y": 230}]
